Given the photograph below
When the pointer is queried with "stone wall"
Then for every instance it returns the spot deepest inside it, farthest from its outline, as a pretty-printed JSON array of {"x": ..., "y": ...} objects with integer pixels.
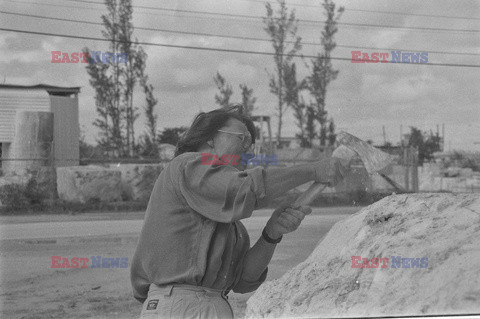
[
  {"x": 453, "y": 179},
  {"x": 122, "y": 182},
  {"x": 88, "y": 183},
  {"x": 137, "y": 180}
]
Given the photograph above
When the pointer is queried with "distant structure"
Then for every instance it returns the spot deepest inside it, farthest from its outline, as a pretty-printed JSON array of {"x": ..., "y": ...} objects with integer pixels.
[
  {"x": 39, "y": 126},
  {"x": 264, "y": 145}
]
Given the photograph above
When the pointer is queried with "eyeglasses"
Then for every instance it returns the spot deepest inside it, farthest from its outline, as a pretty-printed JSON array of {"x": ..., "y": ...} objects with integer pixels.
[{"x": 245, "y": 137}]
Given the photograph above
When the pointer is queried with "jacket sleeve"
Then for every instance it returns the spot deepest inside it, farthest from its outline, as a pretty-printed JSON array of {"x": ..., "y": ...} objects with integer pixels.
[
  {"x": 138, "y": 278},
  {"x": 220, "y": 192},
  {"x": 241, "y": 285},
  {"x": 244, "y": 286}
]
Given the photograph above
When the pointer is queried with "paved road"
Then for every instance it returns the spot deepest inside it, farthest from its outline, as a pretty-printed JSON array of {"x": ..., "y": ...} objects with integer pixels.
[{"x": 62, "y": 229}]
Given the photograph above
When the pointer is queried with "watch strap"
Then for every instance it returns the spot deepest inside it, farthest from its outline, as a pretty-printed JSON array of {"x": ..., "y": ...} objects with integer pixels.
[{"x": 270, "y": 240}]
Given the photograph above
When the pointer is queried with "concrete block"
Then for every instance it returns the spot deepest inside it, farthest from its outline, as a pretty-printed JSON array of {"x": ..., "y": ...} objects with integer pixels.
[
  {"x": 137, "y": 180},
  {"x": 86, "y": 183}
]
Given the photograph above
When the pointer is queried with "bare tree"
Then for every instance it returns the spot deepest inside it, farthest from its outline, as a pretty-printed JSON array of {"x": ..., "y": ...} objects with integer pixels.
[{"x": 281, "y": 26}]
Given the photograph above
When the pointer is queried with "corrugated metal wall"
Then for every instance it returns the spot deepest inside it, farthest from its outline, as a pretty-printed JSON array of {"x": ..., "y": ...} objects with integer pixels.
[
  {"x": 19, "y": 99},
  {"x": 66, "y": 132}
]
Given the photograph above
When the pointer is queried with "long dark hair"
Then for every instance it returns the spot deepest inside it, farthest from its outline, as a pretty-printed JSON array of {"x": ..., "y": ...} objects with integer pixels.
[{"x": 205, "y": 126}]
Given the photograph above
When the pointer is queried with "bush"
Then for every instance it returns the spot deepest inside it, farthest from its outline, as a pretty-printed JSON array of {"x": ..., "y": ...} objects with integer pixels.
[
  {"x": 18, "y": 196},
  {"x": 14, "y": 196}
]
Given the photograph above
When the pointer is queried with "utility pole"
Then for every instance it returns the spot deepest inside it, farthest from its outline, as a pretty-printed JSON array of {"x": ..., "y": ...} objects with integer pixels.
[{"x": 384, "y": 136}]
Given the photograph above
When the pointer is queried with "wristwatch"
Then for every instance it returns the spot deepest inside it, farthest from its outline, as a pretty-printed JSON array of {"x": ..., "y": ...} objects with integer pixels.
[{"x": 270, "y": 240}]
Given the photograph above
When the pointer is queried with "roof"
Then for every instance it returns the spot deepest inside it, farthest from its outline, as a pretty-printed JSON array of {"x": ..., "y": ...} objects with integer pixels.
[{"x": 53, "y": 90}]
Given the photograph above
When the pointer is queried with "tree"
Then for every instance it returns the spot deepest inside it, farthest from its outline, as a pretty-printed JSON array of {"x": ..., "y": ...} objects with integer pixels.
[
  {"x": 332, "y": 137},
  {"x": 108, "y": 118},
  {"x": 150, "y": 114},
  {"x": 431, "y": 145},
  {"x": 322, "y": 71},
  {"x": 114, "y": 81},
  {"x": 223, "y": 97},
  {"x": 296, "y": 102},
  {"x": 248, "y": 101},
  {"x": 310, "y": 126},
  {"x": 172, "y": 135},
  {"x": 148, "y": 140},
  {"x": 87, "y": 150},
  {"x": 281, "y": 27},
  {"x": 426, "y": 143}
]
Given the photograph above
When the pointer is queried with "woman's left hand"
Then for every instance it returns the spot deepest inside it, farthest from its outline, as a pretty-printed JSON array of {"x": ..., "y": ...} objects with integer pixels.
[{"x": 286, "y": 219}]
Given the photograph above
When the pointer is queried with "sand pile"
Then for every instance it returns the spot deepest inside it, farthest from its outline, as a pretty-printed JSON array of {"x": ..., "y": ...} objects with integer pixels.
[{"x": 436, "y": 235}]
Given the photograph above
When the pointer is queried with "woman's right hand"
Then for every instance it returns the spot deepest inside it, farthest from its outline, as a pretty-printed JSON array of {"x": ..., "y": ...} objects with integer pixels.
[{"x": 329, "y": 171}]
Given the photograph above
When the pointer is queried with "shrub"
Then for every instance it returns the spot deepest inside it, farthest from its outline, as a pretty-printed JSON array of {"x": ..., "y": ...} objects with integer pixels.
[
  {"x": 18, "y": 196},
  {"x": 14, "y": 196}
]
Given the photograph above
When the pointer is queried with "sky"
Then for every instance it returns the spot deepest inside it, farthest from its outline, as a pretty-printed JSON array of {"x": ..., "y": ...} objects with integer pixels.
[{"x": 364, "y": 99}]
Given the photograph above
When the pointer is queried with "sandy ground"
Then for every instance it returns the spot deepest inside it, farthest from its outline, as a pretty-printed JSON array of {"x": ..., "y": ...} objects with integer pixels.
[{"x": 30, "y": 288}]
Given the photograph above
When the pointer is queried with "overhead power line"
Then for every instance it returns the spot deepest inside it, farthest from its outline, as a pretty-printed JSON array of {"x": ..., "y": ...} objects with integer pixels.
[
  {"x": 228, "y": 36},
  {"x": 370, "y": 11},
  {"x": 217, "y": 49},
  {"x": 231, "y": 15},
  {"x": 411, "y": 14},
  {"x": 50, "y": 4}
]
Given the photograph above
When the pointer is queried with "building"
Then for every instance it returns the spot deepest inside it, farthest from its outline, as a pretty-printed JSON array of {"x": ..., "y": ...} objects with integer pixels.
[{"x": 39, "y": 126}]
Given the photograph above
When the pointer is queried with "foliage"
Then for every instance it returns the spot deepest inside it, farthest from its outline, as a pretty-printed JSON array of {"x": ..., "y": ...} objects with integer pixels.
[
  {"x": 171, "y": 135},
  {"x": 322, "y": 71},
  {"x": 310, "y": 126},
  {"x": 332, "y": 137},
  {"x": 248, "y": 101},
  {"x": 281, "y": 26},
  {"x": 223, "y": 97},
  {"x": 426, "y": 143},
  {"x": 114, "y": 82},
  {"x": 465, "y": 161},
  {"x": 293, "y": 99},
  {"x": 13, "y": 196},
  {"x": 148, "y": 141},
  {"x": 18, "y": 196}
]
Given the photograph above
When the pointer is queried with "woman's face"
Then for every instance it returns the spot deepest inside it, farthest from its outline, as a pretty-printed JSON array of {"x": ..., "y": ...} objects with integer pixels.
[{"x": 237, "y": 141}]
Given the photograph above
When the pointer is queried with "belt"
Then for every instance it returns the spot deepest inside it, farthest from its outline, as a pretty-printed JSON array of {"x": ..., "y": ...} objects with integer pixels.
[{"x": 167, "y": 289}]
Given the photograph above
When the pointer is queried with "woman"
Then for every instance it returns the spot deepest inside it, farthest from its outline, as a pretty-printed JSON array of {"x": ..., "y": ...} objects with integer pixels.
[{"x": 193, "y": 249}]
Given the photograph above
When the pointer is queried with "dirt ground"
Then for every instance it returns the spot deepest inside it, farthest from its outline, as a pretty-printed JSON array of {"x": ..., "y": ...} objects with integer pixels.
[{"x": 31, "y": 288}]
